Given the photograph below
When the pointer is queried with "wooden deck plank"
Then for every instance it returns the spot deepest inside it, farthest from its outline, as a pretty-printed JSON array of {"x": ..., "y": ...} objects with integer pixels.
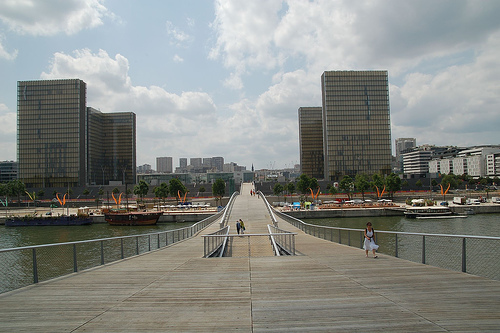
[{"x": 326, "y": 288}]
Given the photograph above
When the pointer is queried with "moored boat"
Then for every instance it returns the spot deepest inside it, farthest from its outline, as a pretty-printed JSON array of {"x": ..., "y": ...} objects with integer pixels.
[
  {"x": 428, "y": 212},
  {"x": 132, "y": 218},
  {"x": 63, "y": 220}
]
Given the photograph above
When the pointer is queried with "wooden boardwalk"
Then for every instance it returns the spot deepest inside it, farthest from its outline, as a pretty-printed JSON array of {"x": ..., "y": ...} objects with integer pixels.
[{"x": 327, "y": 287}]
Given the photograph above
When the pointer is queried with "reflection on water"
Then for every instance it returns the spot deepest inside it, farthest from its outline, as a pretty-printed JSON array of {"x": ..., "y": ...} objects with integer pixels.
[
  {"x": 17, "y": 266},
  {"x": 26, "y": 236},
  {"x": 477, "y": 225}
]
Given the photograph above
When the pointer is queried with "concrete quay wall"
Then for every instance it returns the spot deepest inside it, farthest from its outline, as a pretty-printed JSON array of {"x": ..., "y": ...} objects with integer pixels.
[
  {"x": 351, "y": 212},
  {"x": 169, "y": 217},
  {"x": 383, "y": 211}
]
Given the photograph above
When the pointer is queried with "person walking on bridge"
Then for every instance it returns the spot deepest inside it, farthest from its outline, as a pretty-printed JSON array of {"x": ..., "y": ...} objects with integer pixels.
[
  {"x": 238, "y": 227},
  {"x": 370, "y": 240},
  {"x": 242, "y": 226}
]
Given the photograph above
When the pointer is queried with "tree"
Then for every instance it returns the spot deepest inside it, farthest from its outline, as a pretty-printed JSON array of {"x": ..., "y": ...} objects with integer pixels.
[
  {"x": 290, "y": 188},
  {"x": 176, "y": 188},
  {"x": 418, "y": 183},
  {"x": 361, "y": 183},
  {"x": 86, "y": 192},
  {"x": 451, "y": 180},
  {"x": 278, "y": 189},
  {"x": 202, "y": 190},
  {"x": 40, "y": 193},
  {"x": 15, "y": 188},
  {"x": 377, "y": 183},
  {"x": 346, "y": 185},
  {"x": 393, "y": 183},
  {"x": 219, "y": 189},
  {"x": 141, "y": 189},
  {"x": 304, "y": 183},
  {"x": 161, "y": 191},
  {"x": 332, "y": 190}
]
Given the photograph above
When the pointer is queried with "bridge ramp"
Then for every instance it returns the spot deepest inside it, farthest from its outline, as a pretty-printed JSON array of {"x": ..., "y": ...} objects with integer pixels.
[{"x": 252, "y": 210}]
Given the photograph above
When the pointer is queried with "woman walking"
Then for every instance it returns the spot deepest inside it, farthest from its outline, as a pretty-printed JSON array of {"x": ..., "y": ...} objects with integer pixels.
[{"x": 370, "y": 240}]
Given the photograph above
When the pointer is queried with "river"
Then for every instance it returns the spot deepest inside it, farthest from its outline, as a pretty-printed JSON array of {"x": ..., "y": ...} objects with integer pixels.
[
  {"x": 477, "y": 225},
  {"x": 26, "y": 236}
]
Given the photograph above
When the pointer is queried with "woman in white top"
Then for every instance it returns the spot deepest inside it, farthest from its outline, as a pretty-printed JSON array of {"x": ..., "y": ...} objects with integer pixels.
[{"x": 370, "y": 240}]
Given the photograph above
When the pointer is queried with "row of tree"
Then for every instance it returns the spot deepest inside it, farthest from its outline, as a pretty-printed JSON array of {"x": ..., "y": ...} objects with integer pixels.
[
  {"x": 363, "y": 183},
  {"x": 174, "y": 188}
]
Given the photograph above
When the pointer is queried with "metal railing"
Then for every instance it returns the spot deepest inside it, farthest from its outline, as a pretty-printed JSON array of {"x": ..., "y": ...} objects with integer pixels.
[
  {"x": 476, "y": 255},
  {"x": 228, "y": 209},
  {"x": 283, "y": 241},
  {"x": 26, "y": 265},
  {"x": 269, "y": 208},
  {"x": 215, "y": 246},
  {"x": 245, "y": 245}
]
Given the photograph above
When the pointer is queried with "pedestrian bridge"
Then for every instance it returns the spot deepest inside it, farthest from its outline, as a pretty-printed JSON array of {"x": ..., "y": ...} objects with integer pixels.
[{"x": 325, "y": 287}]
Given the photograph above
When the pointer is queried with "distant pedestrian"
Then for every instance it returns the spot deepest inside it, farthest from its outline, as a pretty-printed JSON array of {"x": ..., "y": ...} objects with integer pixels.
[
  {"x": 242, "y": 226},
  {"x": 238, "y": 227},
  {"x": 370, "y": 240}
]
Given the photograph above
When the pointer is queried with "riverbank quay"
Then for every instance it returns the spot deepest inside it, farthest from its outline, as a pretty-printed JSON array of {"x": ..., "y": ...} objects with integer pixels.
[
  {"x": 173, "y": 216},
  {"x": 393, "y": 210},
  {"x": 326, "y": 287}
]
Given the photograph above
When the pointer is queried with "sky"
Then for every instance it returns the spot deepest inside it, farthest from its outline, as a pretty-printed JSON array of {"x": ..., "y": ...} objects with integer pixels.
[{"x": 226, "y": 77}]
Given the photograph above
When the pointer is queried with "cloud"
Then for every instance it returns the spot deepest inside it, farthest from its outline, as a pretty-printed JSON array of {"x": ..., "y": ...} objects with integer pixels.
[
  {"x": 244, "y": 32},
  {"x": 4, "y": 54},
  {"x": 178, "y": 59},
  {"x": 7, "y": 131},
  {"x": 177, "y": 36},
  {"x": 50, "y": 17},
  {"x": 458, "y": 106},
  {"x": 441, "y": 58}
]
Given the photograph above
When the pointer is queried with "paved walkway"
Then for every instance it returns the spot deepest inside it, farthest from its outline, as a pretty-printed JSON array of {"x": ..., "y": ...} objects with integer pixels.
[{"x": 327, "y": 287}]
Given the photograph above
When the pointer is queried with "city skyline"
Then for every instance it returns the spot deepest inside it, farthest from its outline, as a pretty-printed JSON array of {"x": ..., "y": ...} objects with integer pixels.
[{"x": 226, "y": 78}]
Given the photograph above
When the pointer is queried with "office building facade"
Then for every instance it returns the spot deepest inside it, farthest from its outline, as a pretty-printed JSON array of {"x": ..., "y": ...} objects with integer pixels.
[
  {"x": 311, "y": 141},
  {"x": 164, "y": 165},
  {"x": 51, "y": 133},
  {"x": 403, "y": 145},
  {"x": 356, "y": 123},
  {"x": 62, "y": 143},
  {"x": 8, "y": 171}
]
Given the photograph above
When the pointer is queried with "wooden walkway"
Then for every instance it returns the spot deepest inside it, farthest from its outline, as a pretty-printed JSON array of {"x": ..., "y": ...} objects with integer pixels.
[{"x": 327, "y": 287}]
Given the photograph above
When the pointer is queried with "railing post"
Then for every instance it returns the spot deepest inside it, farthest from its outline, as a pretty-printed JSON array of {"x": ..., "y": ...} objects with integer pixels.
[
  {"x": 35, "y": 267},
  {"x": 361, "y": 239},
  {"x": 121, "y": 247},
  {"x": 464, "y": 256},
  {"x": 159, "y": 241},
  {"x": 396, "y": 245},
  {"x": 75, "y": 264},
  {"x": 102, "y": 252},
  {"x": 340, "y": 237},
  {"x": 349, "y": 237},
  {"x": 137, "y": 244},
  {"x": 149, "y": 242},
  {"x": 423, "y": 249}
]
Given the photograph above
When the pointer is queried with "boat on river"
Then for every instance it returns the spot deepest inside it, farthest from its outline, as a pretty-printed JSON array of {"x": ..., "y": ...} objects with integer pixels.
[
  {"x": 132, "y": 218},
  {"x": 62, "y": 220},
  {"x": 429, "y": 212}
]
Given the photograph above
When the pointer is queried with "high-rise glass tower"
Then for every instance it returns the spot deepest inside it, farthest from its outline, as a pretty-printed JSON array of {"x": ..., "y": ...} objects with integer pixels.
[
  {"x": 62, "y": 143},
  {"x": 356, "y": 123},
  {"x": 51, "y": 132},
  {"x": 311, "y": 141}
]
